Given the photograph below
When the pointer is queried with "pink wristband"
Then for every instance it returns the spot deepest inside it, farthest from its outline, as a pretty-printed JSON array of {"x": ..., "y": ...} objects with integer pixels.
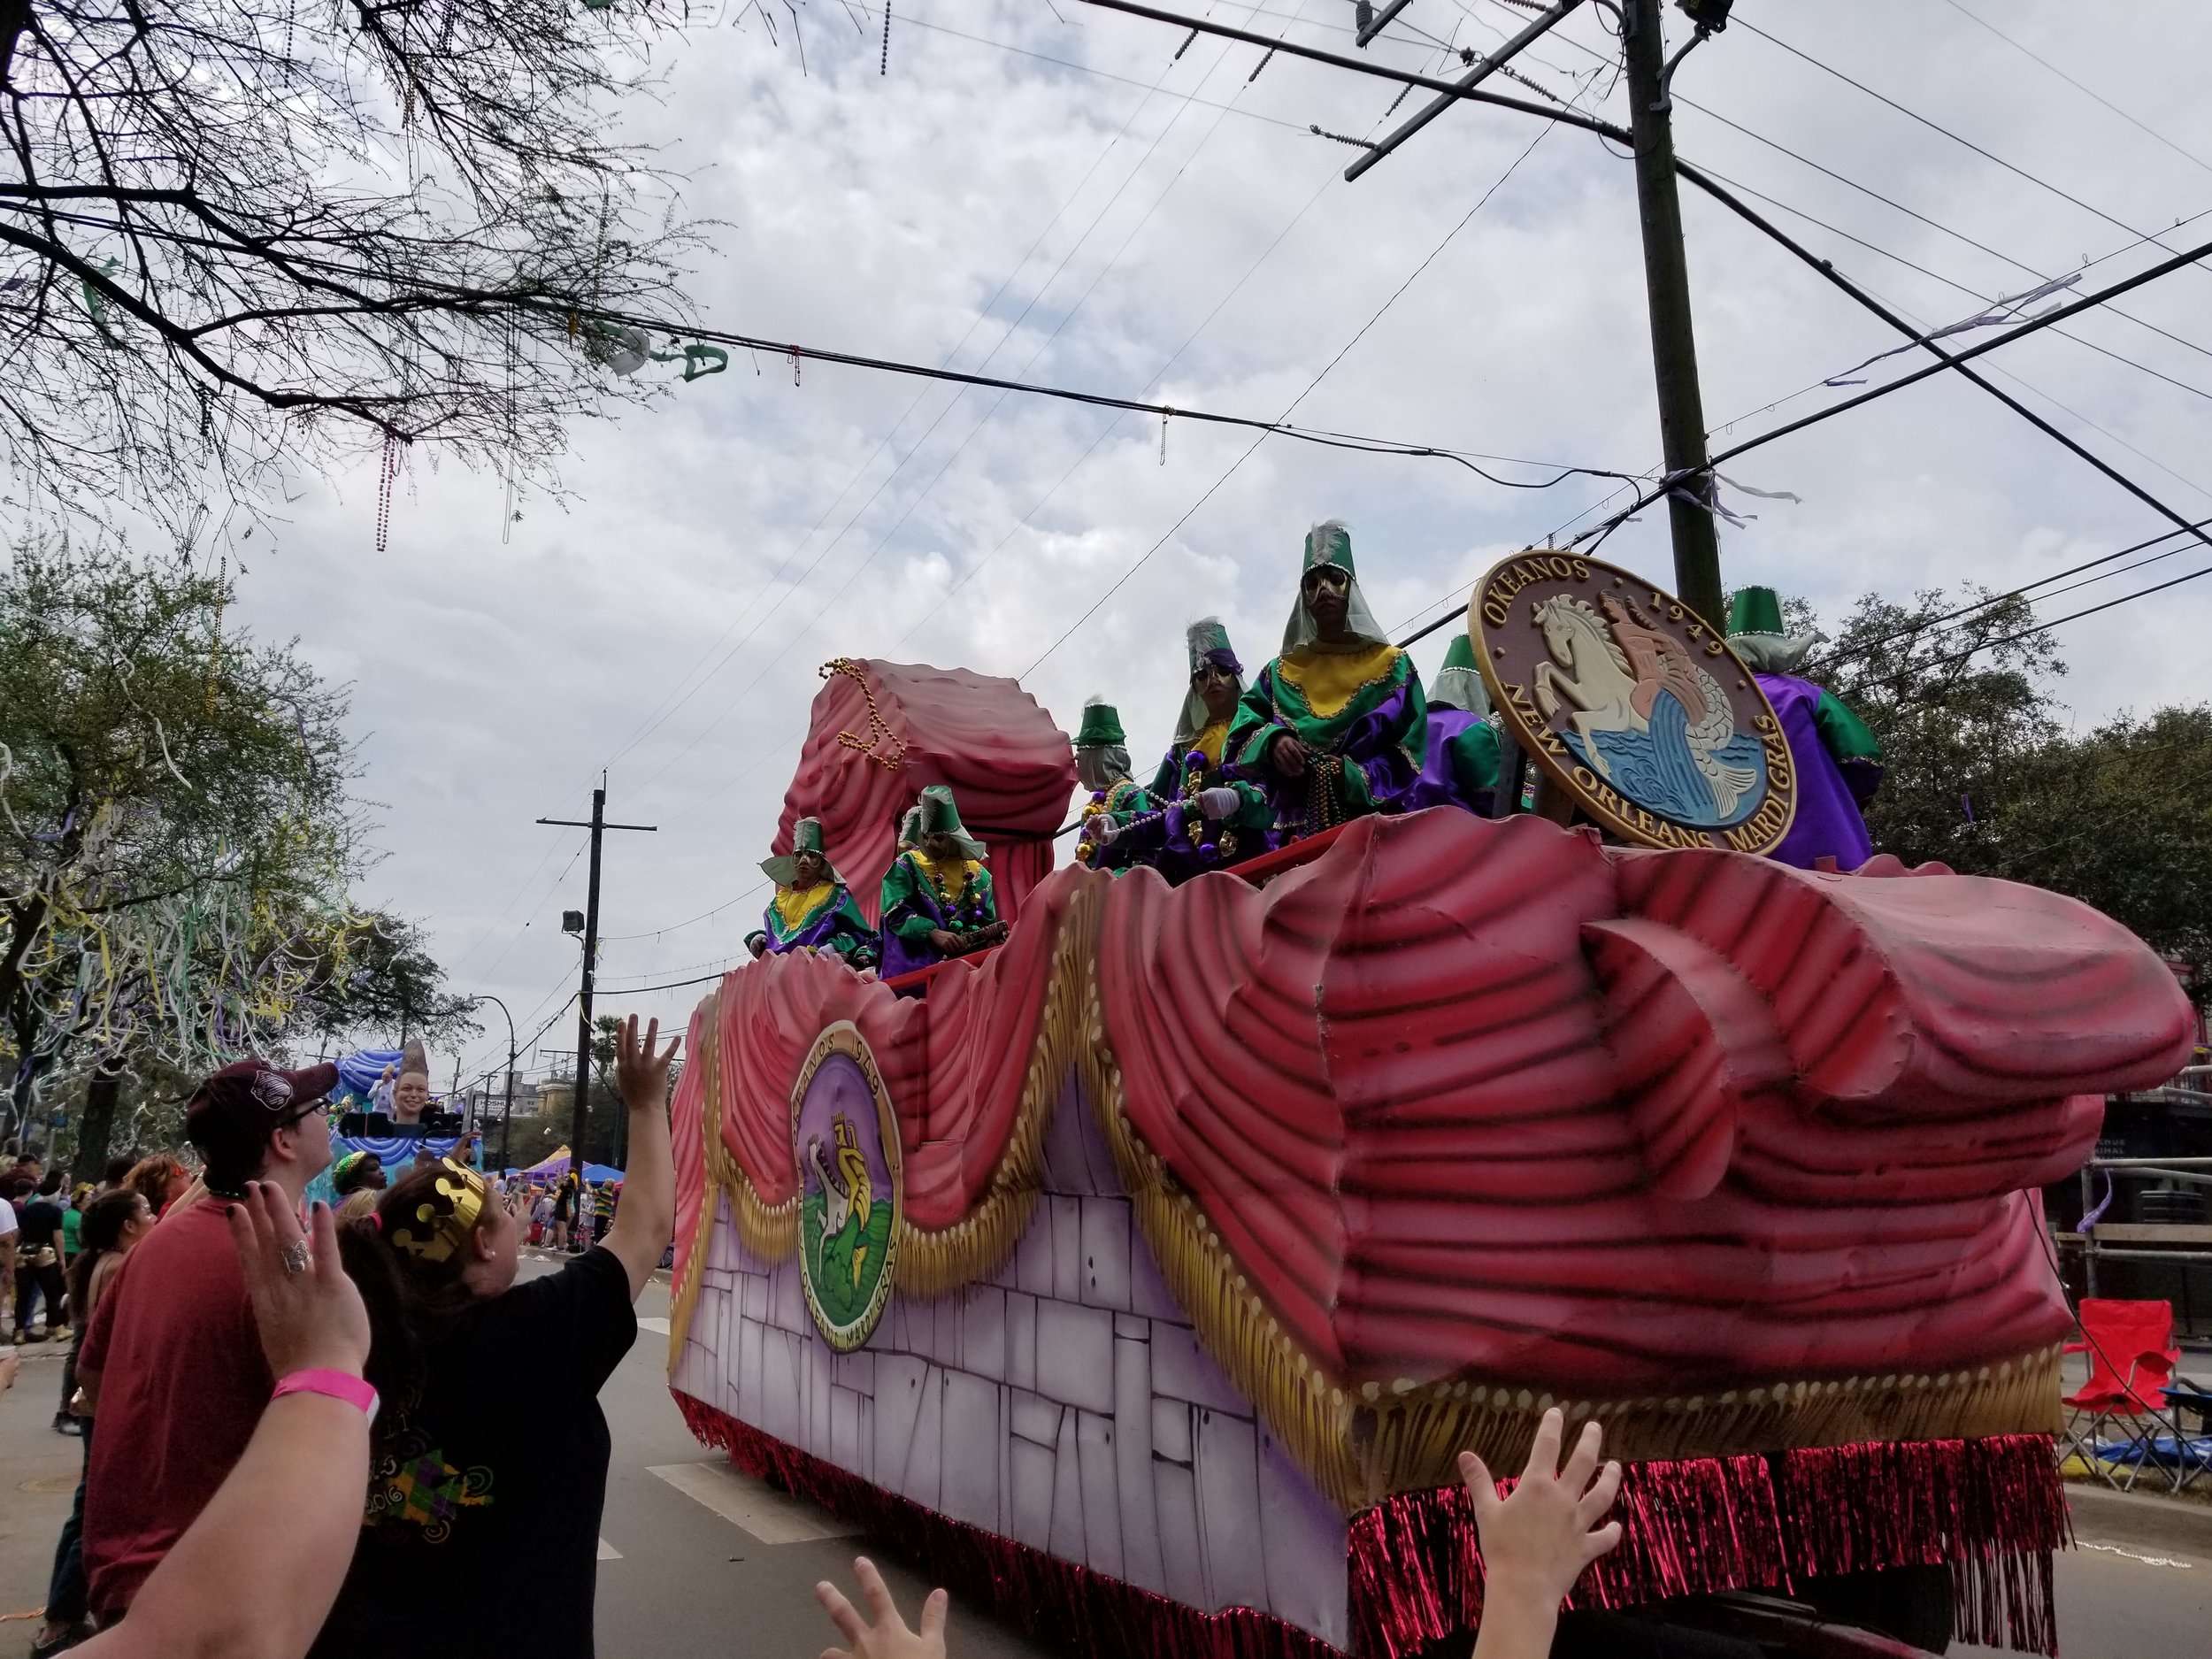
[{"x": 355, "y": 1391}]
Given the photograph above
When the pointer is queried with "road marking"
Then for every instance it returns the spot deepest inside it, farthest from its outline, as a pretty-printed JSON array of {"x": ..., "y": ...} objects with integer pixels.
[
  {"x": 2148, "y": 1561},
  {"x": 770, "y": 1515},
  {"x": 608, "y": 1552},
  {"x": 660, "y": 1325}
]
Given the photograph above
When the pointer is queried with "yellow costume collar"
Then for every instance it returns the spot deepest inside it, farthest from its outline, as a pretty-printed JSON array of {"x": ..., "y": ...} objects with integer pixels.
[
  {"x": 795, "y": 907},
  {"x": 1210, "y": 739},
  {"x": 953, "y": 877},
  {"x": 1328, "y": 677}
]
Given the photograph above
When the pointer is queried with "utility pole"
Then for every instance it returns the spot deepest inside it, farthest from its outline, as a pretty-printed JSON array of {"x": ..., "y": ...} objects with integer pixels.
[
  {"x": 1666, "y": 270},
  {"x": 1667, "y": 280},
  {"x": 507, "y": 1110},
  {"x": 598, "y": 826}
]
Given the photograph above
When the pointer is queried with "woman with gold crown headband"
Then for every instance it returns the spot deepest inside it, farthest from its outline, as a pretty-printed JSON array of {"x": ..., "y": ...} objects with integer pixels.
[{"x": 488, "y": 1467}]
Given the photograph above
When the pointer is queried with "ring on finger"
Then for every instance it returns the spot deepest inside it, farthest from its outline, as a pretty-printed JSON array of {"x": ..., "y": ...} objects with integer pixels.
[{"x": 296, "y": 1257}]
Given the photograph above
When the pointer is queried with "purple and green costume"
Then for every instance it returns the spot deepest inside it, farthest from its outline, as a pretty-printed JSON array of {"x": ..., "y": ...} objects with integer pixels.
[
  {"x": 1354, "y": 706},
  {"x": 921, "y": 897},
  {"x": 824, "y": 917},
  {"x": 1839, "y": 760},
  {"x": 1839, "y": 768},
  {"x": 917, "y": 901},
  {"x": 1462, "y": 764}
]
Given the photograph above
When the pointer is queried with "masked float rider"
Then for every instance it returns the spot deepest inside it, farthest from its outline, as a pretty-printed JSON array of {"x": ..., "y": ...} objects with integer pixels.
[
  {"x": 1337, "y": 726},
  {"x": 813, "y": 909},
  {"x": 937, "y": 900},
  {"x": 1101, "y": 765},
  {"x": 1839, "y": 760},
  {"x": 1225, "y": 817},
  {"x": 1464, "y": 750}
]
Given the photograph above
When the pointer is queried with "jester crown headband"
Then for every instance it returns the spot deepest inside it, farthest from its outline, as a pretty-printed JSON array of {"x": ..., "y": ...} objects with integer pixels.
[{"x": 433, "y": 1232}]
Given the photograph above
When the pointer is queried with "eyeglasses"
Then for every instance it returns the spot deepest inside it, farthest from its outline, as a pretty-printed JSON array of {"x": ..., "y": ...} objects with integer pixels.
[{"x": 304, "y": 1113}]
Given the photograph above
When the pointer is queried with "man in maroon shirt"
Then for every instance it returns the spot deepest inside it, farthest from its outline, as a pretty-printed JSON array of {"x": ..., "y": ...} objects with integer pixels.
[{"x": 173, "y": 1360}]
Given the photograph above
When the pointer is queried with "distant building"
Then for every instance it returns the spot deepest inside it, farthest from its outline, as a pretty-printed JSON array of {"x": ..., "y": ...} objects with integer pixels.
[{"x": 554, "y": 1098}]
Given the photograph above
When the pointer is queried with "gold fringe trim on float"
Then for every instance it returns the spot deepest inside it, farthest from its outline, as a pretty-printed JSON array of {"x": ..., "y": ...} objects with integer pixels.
[
  {"x": 1358, "y": 1441},
  {"x": 770, "y": 1231},
  {"x": 932, "y": 1264},
  {"x": 1361, "y": 1443}
]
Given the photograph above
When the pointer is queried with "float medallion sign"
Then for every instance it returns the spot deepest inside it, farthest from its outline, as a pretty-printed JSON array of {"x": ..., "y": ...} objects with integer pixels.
[{"x": 1635, "y": 707}]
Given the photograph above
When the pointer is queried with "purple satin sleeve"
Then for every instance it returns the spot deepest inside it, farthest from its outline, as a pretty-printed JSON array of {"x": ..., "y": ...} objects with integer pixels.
[
  {"x": 1436, "y": 786},
  {"x": 1828, "y": 823},
  {"x": 1371, "y": 742}
]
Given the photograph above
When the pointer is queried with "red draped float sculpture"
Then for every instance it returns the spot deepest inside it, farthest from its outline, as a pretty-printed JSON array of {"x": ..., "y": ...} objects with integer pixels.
[
  {"x": 882, "y": 731},
  {"x": 1231, "y": 1212}
]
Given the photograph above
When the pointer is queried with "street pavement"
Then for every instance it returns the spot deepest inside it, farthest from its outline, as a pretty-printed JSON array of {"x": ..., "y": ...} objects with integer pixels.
[{"x": 698, "y": 1564}]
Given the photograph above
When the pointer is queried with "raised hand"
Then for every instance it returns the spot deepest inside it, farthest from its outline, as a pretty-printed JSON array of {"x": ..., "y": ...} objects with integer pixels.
[
  {"x": 639, "y": 1073},
  {"x": 309, "y": 1313},
  {"x": 1536, "y": 1543},
  {"x": 883, "y": 1634}
]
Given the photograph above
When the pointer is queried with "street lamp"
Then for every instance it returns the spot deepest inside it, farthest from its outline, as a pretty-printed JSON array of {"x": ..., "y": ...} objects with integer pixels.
[{"x": 507, "y": 1112}]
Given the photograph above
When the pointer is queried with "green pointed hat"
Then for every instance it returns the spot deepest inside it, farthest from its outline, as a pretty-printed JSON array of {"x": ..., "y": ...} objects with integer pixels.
[
  {"x": 937, "y": 811},
  {"x": 1101, "y": 725},
  {"x": 1755, "y": 611},
  {"x": 806, "y": 837},
  {"x": 1459, "y": 683},
  {"x": 1208, "y": 641},
  {"x": 1203, "y": 637},
  {"x": 1755, "y": 632},
  {"x": 1330, "y": 543}
]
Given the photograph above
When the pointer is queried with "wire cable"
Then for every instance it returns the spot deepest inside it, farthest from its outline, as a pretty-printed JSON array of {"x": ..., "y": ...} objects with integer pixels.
[
  {"x": 1210, "y": 489},
  {"x": 1935, "y": 127},
  {"x": 2188, "y": 156}
]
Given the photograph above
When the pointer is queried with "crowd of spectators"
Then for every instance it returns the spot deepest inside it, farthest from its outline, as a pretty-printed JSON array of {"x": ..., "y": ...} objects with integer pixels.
[{"x": 284, "y": 1419}]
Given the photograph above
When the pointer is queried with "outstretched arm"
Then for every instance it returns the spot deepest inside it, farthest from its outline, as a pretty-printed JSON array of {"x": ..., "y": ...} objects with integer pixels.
[{"x": 646, "y": 1219}]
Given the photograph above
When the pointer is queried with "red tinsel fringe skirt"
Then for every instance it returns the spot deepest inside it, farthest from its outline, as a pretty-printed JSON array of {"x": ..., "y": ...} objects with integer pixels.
[{"x": 1992, "y": 1510}]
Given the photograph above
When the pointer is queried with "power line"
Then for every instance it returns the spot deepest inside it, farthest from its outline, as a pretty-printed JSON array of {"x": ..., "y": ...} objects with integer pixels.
[
  {"x": 1827, "y": 269},
  {"x": 1897, "y": 206},
  {"x": 1119, "y": 581},
  {"x": 1935, "y": 127},
  {"x": 2045, "y": 627},
  {"x": 1330, "y": 177},
  {"x": 2020, "y": 592},
  {"x": 1069, "y": 201},
  {"x": 1951, "y": 360},
  {"x": 1950, "y": 282},
  {"x": 656, "y": 932},
  {"x": 2187, "y": 155}
]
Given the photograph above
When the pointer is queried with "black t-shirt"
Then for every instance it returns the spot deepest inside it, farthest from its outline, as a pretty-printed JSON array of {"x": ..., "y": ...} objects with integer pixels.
[
  {"x": 39, "y": 1220},
  {"x": 484, "y": 1494},
  {"x": 564, "y": 1206}
]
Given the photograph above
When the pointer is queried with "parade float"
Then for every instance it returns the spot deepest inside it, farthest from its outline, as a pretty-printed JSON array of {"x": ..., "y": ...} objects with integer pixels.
[{"x": 1143, "y": 1277}]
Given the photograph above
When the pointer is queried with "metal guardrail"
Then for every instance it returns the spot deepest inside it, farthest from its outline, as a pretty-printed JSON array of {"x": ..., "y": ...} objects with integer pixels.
[{"x": 2171, "y": 1242}]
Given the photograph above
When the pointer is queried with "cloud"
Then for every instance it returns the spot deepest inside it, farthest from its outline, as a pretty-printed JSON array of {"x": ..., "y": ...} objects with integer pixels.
[{"x": 1109, "y": 227}]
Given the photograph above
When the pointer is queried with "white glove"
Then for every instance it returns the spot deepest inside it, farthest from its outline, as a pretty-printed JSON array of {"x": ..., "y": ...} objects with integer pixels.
[
  {"x": 1101, "y": 832},
  {"x": 1218, "y": 804}
]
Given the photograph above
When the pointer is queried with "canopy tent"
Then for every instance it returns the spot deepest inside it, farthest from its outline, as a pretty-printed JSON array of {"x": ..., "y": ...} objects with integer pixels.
[
  {"x": 555, "y": 1167},
  {"x": 881, "y": 732}
]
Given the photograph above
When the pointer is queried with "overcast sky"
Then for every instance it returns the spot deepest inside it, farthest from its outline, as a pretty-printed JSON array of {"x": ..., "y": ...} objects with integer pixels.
[{"x": 1054, "y": 195}]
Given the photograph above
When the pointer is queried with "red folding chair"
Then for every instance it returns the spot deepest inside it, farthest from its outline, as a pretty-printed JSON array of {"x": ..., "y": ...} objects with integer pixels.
[{"x": 2131, "y": 1357}]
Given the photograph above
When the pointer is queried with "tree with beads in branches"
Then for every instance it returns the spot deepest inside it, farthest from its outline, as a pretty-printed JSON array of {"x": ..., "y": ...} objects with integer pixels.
[
  {"x": 240, "y": 236},
  {"x": 176, "y": 841}
]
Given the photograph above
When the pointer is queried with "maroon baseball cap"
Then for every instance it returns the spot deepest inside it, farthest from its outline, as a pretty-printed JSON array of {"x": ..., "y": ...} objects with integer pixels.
[{"x": 254, "y": 1096}]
